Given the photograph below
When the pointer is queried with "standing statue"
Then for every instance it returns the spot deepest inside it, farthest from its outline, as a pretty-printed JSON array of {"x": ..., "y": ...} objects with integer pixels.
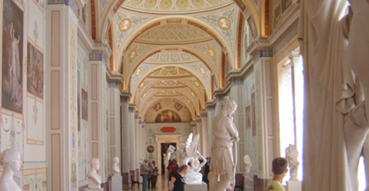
[
  {"x": 189, "y": 155},
  {"x": 335, "y": 113},
  {"x": 247, "y": 161},
  {"x": 10, "y": 159},
  {"x": 115, "y": 167},
  {"x": 94, "y": 179},
  {"x": 222, "y": 165},
  {"x": 291, "y": 156}
]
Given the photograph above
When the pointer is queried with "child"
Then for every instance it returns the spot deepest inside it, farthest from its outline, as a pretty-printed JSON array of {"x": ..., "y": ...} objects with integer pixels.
[{"x": 279, "y": 168}]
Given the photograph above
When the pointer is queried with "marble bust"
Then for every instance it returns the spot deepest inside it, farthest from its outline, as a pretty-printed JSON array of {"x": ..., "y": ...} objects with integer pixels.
[
  {"x": 94, "y": 179},
  {"x": 247, "y": 161},
  {"x": 11, "y": 161},
  {"x": 222, "y": 165},
  {"x": 291, "y": 156},
  {"x": 115, "y": 167}
]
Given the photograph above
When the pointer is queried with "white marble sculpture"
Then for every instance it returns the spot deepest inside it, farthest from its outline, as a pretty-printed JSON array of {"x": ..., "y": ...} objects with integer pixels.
[
  {"x": 94, "y": 179},
  {"x": 335, "y": 120},
  {"x": 248, "y": 163},
  {"x": 223, "y": 163},
  {"x": 115, "y": 167},
  {"x": 291, "y": 156},
  {"x": 189, "y": 155},
  {"x": 10, "y": 161}
]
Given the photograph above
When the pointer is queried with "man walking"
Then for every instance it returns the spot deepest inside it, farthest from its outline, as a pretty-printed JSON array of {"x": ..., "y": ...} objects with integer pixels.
[{"x": 144, "y": 173}]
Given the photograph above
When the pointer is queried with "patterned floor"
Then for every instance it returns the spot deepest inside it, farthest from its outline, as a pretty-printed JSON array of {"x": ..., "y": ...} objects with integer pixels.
[{"x": 161, "y": 185}]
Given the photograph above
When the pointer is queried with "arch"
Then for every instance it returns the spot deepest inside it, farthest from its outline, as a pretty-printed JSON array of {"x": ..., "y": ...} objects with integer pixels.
[
  {"x": 144, "y": 112},
  {"x": 191, "y": 20},
  {"x": 207, "y": 89},
  {"x": 184, "y": 82},
  {"x": 194, "y": 52},
  {"x": 167, "y": 110}
]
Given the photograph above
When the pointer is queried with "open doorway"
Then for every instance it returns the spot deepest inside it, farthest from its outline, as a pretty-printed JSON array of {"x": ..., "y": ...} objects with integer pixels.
[{"x": 164, "y": 148}]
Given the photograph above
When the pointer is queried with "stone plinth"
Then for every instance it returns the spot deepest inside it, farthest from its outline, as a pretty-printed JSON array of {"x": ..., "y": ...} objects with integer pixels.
[
  {"x": 94, "y": 189},
  {"x": 294, "y": 185},
  {"x": 248, "y": 182},
  {"x": 115, "y": 184},
  {"x": 198, "y": 187}
]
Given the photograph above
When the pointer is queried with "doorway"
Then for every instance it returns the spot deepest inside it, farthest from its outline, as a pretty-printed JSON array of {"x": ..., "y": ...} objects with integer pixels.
[{"x": 164, "y": 148}]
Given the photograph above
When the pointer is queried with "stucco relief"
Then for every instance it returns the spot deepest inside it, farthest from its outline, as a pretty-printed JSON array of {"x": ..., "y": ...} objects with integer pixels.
[
  {"x": 134, "y": 21},
  {"x": 134, "y": 52},
  {"x": 224, "y": 22},
  {"x": 213, "y": 46}
]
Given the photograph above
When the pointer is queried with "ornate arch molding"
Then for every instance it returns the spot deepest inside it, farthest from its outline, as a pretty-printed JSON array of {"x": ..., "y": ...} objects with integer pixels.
[
  {"x": 201, "y": 100},
  {"x": 207, "y": 89},
  {"x": 157, "y": 112},
  {"x": 192, "y": 51},
  {"x": 211, "y": 30}
]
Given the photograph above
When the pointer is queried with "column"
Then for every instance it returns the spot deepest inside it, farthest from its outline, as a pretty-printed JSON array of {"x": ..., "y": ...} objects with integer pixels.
[
  {"x": 211, "y": 115},
  {"x": 114, "y": 116},
  {"x": 124, "y": 137},
  {"x": 204, "y": 133},
  {"x": 61, "y": 93},
  {"x": 131, "y": 132},
  {"x": 264, "y": 100},
  {"x": 199, "y": 132}
]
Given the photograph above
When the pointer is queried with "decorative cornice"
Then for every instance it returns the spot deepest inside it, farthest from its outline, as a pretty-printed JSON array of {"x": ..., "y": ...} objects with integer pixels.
[
  {"x": 114, "y": 79},
  {"x": 198, "y": 119},
  {"x": 132, "y": 108},
  {"x": 124, "y": 96},
  {"x": 204, "y": 113}
]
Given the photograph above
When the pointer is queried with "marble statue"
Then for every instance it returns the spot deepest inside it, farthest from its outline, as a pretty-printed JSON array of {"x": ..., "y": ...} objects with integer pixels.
[
  {"x": 115, "y": 167},
  {"x": 10, "y": 159},
  {"x": 366, "y": 161},
  {"x": 94, "y": 179},
  {"x": 247, "y": 161},
  {"x": 189, "y": 155},
  {"x": 223, "y": 163},
  {"x": 291, "y": 156},
  {"x": 335, "y": 119}
]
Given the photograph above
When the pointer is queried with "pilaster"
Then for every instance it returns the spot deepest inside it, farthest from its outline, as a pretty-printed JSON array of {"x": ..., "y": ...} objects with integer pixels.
[
  {"x": 204, "y": 133},
  {"x": 199, "y": 132}
]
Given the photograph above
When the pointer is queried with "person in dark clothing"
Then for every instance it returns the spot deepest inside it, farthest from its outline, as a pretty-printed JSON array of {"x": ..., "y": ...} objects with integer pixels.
[{"x": 177, "y": 182}]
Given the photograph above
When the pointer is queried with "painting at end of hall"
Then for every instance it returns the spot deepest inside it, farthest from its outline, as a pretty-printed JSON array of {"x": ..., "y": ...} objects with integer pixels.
[{"x": 168, "y": 116}]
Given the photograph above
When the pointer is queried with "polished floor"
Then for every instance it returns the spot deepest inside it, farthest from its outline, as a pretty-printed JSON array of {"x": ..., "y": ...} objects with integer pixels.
[{"x": 161, "y": 185}]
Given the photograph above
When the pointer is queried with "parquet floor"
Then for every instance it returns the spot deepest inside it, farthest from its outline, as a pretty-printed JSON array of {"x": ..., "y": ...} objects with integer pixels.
[{"x": 161, "y": 185}]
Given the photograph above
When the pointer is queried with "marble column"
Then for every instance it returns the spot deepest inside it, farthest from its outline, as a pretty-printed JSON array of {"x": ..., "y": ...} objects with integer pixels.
[
  {"x": 131, "y": 132},
  {"x": 125, "y": 136},
  {"x": 211, "y": 115},
  {"x": 204, "y": 133}
]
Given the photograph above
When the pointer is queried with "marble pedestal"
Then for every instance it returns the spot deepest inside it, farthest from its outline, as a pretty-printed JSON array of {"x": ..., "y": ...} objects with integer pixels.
[
  {"x": 196, "y": 187},
  {"x": 115, "y": 184},
  {"x": 248, "y": 181},
  {"x": 294, "y": 185},
  {"x": 94, "y": 189}
]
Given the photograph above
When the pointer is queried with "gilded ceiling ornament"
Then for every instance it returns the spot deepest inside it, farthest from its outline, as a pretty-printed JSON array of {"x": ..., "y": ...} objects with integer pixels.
[
  {"x": 197, "y": 83},
  {"x": 173, "y": 71},
  {"x": 164, "y": 71},
  {"x": 197, "y": 2},
  {"x": 150, "y": 3},
  {"x": 182, "y": 71},
  {"x": 136, "y": 1},
  {"x": 211, "y": 52},
  {"x": 182, "y": 3},
  {"x": 132, "y": 54},
  {"x": 166, "y": 3},
  {"x": 212, "y": 1},
  {"x": 224, "y": 23},
  {"x": 125, "y": 24},
  {"x": 142, "y": 85},
  {"x": 202, "y": 70},
  {"x": 193, "y": 94},
  {"x": 144, "y": 95},
  {"x": 138, "y": 71}
]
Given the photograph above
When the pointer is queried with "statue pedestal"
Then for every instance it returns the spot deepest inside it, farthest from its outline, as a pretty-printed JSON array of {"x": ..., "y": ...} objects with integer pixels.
[
  {"x": 115, "y": 183},
  {"x": 94, "y": 189},
  {"x": 294, "y": 185},
  {"x": 248, "y": 181},
  {"x": 198, "y": 187}
]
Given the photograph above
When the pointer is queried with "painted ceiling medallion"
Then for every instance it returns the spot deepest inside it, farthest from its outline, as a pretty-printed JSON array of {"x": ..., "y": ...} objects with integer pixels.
[
  {"x": 173, "y": 71},
  {"x": 202, "y": 70},
  {"x": 182, "y": 71},
  {"x": 138, "y": 71},
  {"x": 124, "y": 25},
  {"x": 166, "y": 3},
  {"x": 150, "y": 3},
  {"x": 132, "y": 54},
  {"x": 224, "y": 23},
  {"x": 211, "y": 52},
  {"x": 197, "y": 83},
  {"x": 142, "y": 85},
  {"x": 197, "y": 2},
  {"x": 188, "y": 101},
  {"x": 182, "y": 3},
  {"x": 144, "y": 95},
  {"x": 164, "y": 71}
]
